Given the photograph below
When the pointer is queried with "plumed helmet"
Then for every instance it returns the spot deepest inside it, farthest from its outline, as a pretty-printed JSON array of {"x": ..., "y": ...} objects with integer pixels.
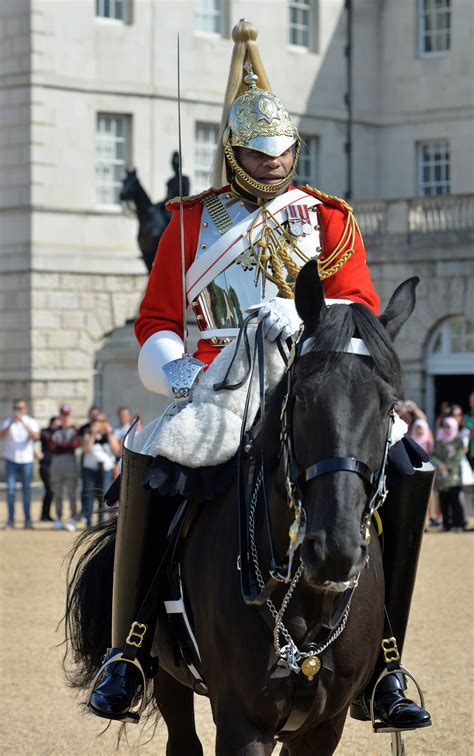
[
  {"x": 259, "y": 121},
  {"x": 253, "y": 116}
]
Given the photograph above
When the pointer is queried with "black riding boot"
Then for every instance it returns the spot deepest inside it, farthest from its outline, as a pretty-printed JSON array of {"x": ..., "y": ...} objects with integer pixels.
[
  {"x": 403, "y": 517},
  {"x": 141, "y": 528}
]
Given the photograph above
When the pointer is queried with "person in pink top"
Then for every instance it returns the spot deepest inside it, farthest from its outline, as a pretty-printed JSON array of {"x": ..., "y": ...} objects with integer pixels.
[
  {"x": 421, "y": 433},
  {"x": 447, "y": 455}
]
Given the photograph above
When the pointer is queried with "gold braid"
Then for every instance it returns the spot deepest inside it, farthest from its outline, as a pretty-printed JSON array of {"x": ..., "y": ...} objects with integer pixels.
[
  {"x": 344, "y": 250},
  {"x": 273, "y": 251}
]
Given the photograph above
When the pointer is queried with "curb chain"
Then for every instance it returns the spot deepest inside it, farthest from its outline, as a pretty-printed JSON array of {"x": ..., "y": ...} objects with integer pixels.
[{"x": 289, "y": 654}]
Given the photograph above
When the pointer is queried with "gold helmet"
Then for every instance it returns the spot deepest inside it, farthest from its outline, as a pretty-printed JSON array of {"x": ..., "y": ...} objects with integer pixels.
[{"x": 253, "y": 117}]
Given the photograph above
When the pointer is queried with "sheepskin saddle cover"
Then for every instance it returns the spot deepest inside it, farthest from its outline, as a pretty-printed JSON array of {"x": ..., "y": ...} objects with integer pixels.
[{"x": 206, "y": 431}]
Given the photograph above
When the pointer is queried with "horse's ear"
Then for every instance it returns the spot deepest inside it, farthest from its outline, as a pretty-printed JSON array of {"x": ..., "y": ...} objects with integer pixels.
[
  {"x": 400, "y": 307},
  {"x": 309, "y": 296}
]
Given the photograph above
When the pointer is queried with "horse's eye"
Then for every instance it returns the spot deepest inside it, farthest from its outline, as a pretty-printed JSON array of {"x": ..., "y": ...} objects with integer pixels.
[{"x": 299, "y": 399}]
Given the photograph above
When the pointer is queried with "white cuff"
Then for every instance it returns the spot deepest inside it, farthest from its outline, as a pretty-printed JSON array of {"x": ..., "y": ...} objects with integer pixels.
[{"x": 159, "y": 349}]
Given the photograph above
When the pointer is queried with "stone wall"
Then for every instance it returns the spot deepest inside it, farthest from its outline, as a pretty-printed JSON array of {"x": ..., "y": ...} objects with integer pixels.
[{"x": 72, "y": 313}]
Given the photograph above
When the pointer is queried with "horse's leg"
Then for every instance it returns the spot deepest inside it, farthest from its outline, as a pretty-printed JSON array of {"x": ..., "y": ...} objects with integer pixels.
[
  {"x": 236, "y": 736},
  {"x": 176, "y": 704},
  {"x": 321, "y": 740}
]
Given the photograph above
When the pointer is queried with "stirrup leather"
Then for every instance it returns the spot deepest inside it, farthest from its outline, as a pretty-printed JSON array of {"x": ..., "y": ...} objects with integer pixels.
[
  {"x": 133, "y": 715},
  {"x": 381, "y": 726}
]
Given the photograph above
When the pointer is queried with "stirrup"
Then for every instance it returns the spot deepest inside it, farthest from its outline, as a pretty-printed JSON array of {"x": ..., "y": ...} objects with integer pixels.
[
  {"x": 378, "y": 726},
  {"x": 133, "y": 715}
]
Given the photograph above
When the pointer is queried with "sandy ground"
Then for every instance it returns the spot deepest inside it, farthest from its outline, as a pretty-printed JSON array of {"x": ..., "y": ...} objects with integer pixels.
[{"x": 40, "y": 715}]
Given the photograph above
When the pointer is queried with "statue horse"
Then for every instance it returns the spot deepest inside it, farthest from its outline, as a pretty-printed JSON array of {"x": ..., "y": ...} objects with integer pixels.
[
  {"x": 322, "y": 443},
  {"x": 152, "y": 218}
]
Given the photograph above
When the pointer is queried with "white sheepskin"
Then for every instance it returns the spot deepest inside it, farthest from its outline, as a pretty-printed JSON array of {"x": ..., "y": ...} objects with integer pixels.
[{"x": 207, "y": 431}]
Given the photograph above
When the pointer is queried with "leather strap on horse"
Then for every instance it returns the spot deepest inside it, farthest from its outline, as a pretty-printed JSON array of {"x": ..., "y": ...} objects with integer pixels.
[
  {"x": 251, "y": 592},
  {"x": 149, "y": 605}
]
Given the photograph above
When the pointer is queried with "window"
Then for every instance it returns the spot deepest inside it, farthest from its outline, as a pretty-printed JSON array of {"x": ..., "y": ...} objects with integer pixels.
[
  {"x": 300, "y": 23},
  {"x": 434, "y": 26},
  {"x": 306, "y": 169},
  {"x": 433, "y": 168},
  {"x": 204, "y": 149},
  {"x": 209, "y": 16},
  {"x": 112, "y": 156},
  {"x": 117, "y": 10},
  {"x": 452, "y": 340}
]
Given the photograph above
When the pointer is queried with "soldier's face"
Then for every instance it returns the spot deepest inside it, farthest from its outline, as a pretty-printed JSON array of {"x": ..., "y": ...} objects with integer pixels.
[{"x": 265, "y": 168}]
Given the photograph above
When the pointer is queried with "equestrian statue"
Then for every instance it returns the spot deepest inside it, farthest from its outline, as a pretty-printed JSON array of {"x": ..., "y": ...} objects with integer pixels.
[{"x": 152, "y": 218}]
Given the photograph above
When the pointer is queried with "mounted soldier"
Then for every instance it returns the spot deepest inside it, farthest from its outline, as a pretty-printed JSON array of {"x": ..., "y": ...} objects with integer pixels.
[{"x": 242, "y": 245}]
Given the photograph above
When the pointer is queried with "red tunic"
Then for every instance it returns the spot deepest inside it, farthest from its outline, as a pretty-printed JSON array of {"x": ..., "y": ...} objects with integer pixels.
[{"x": 161, "y": 308}]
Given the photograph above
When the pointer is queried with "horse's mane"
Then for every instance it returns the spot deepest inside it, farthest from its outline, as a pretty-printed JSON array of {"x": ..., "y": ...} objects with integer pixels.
[{"x": 339, "y": 324}]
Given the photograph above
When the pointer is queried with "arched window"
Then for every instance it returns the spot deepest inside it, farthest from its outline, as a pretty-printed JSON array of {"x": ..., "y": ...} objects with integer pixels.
[
  {"x": 451, "y": 347},
  {"x": 449, "y": 363}
]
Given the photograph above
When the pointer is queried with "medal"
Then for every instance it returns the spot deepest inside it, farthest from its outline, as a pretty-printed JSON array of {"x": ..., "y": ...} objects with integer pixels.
[{"x": 299, "y": 221}]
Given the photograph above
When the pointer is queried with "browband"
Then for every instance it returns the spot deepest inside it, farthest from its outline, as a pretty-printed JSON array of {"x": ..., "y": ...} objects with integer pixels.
[{"x": 355, "y": 346}]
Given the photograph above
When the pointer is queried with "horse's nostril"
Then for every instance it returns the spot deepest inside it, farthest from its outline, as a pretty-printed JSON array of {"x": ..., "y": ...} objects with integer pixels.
[
  {"x": 323, "y": 563},
  {"x": 313, "y": 551}
]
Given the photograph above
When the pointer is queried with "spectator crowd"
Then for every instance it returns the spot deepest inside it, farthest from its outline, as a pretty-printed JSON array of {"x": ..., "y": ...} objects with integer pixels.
[
  {"x": 89, "y": 454},
  {"x": 77, "y": 463},
  {"x": 451, "y": 446}
]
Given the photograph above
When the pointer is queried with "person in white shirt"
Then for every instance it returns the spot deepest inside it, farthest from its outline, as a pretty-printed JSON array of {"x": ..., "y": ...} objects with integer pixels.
[
  {"x": 125, "y": 422},
  {"x": 19, "y": 432}
]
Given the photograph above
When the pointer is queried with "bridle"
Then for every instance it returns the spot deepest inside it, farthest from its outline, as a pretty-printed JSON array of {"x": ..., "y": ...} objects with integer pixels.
[
  {"x": 252, "y": 493},
  {"x": 281, "y": 571},
  {"x": 295, "y": 481}
]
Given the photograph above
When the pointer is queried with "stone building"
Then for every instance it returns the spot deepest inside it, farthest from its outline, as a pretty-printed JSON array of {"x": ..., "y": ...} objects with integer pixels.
[{"x": 382, "y": 93}]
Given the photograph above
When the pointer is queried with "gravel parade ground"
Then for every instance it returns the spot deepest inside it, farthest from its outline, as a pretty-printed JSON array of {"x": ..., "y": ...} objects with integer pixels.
[{"x": 40, "y": 715}]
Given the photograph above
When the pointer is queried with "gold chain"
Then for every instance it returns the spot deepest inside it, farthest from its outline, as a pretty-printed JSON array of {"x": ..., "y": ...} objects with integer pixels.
[{"x": 259, "y": 185}]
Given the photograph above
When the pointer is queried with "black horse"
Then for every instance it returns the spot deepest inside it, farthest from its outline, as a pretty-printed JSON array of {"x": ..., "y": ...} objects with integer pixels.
[
  {"x": 336, "y": 405},
  {"x": 152, "y": 218}
]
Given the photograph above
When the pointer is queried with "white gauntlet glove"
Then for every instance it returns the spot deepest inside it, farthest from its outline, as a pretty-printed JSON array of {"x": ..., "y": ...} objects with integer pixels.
[{"x": 276, "y": 325}]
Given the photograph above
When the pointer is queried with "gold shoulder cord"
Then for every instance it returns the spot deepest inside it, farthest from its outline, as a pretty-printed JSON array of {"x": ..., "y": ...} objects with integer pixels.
[
  {"x": 343, "y": 250},
  {"x": 276, "y": 249},
  {"x": 345, "y": 246}
]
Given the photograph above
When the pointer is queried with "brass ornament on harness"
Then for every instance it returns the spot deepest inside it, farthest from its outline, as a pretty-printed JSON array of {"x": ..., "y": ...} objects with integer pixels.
[
  {"x": 136, "y": 634},
  {"x": 310, "y": 667},
  {"x": 390, "y": 650}
]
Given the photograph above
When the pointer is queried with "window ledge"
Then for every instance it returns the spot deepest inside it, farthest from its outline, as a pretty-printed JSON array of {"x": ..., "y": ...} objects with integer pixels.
[
  {"x": 111, "y": 21},
  {"x": 208, "y": 35},
  {"x": 436, "y": 54},
  {"x": 112, "y": 209},
  {"x": 300, "y": 49}
]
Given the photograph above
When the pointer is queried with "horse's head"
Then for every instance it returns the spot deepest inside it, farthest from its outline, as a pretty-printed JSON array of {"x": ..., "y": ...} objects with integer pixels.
[
  {"x": 338, "y": 408},
  {"x": 129, "y": 185}
]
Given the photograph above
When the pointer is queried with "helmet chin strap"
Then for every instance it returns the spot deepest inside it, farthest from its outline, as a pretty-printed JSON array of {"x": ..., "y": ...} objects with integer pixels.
[
  {"x": 249, "y": 192},
  {"x": 249, "y": 184}
]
